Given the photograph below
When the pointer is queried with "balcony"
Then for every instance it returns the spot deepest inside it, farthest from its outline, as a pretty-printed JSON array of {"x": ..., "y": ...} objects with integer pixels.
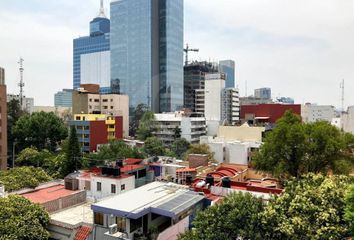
[
  {"x": 110, "y": 122},
  {"x": 111, "y": 129}
]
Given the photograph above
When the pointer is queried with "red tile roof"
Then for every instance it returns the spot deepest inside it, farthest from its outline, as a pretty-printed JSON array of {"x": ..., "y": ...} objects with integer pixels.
[
  {"x": 128, "y": 168},
  {"x": 83, "y": 233},
  {"x": 48, "y": 194},
  {"x": 187, "y": 169}
]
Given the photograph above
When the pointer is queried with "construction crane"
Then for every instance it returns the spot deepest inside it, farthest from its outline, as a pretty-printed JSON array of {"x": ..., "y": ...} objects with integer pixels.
[
  {"x": 21, "y": 84},
  {"x": 186, "y": 50}
]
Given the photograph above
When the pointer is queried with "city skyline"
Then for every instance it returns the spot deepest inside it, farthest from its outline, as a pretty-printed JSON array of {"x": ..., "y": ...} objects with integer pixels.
[{"x": 284, "y": 45}]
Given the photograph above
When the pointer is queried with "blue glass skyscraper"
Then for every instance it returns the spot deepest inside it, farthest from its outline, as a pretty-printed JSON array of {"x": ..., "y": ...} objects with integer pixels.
[
  {"x": 228, "y": 67},
  {"x": 147, "y": 52},
  {"x": 92, "y": 55}
]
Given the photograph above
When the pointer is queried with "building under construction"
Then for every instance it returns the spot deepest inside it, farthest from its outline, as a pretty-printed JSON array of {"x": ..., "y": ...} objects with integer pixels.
[{"x": 194, "y": 78}]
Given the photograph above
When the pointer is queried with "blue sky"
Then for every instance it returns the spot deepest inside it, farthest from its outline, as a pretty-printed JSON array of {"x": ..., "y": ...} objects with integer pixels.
[{"x": 300, "y": 49}]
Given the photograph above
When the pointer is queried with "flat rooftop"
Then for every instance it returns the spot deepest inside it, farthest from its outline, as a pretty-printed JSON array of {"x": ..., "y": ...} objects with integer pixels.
[
  {"x": 166, "y": 199},
  {"x": 74, "y": 215},
  {"x": 48, "y": 194}
]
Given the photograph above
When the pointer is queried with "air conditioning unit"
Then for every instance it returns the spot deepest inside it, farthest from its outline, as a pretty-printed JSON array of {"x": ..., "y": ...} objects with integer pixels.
[{"x": 113, "y": 229}]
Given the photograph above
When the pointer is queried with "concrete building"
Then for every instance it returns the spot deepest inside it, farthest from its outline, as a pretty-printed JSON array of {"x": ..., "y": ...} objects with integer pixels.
[
  {"x": 266, "y": 113},
  {"x": 243, "y": 133},
  {"x": 91, "y": 55},
  {"x": 147, "y": 52},
  {"x": 312, "y": 113},
  {"x": 63, "y": 98},
  {"x": 251, "y": 100},
  {"x": 230, "y": 106},
  {"x": 64, "y": 113},
  {"x": 167, "y": 206},
  {"x": 286, "y": 100},
  {"x": 228, "y": 68},
  {"x": 191, "y": 127},
  {"x": 3, "y": 121},
  {"x": 214, "y": 85},
  {"x": 28, "y": 103},
  {"x": 263, "y": 93},
  {"x": 95, "y": 129},
  {"x": 194, "y": 79},
  {"x": 87, "y": 100},
  {"x": 347, "y": 120}
]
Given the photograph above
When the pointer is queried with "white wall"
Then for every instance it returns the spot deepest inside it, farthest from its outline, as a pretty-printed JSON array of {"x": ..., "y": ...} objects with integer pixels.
[
  {"x": 348, "y": 120},
  {"x": 213, "y": 86},
  {"x": 313, "y": 113},
  {"x": 106, "y": 185},
  {"x": 96, "y": 68}
]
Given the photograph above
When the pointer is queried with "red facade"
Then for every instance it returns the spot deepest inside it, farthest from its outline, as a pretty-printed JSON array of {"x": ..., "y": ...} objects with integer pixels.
[
  {"x": 268, "y": 112},
  {"x": 119, "y": 127}
]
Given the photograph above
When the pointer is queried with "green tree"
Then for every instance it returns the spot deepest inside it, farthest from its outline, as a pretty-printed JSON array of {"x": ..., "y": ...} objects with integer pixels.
[
  {"x": 72, "y": 152},
  {"x": 111, "y": 152},
  {"x": 153, "y": 147},
  {"x": 23, "y": 177},
  {"x": 200, "y": 149},
  {"x": 180, "y": 147},
  {"x": 137, "y": 114},
  {"x": 310, "y": 208},
  {"x": 236, "y": 217},
  {"x": 294, "y": 148},
  {"x": 147, "y": 125},
  {"x": 40, "y": 130},
  {"x": 20, "y": 219},
  {"x": 177, "y": 133},
  {"x": 349, "y": 209},
  {"x": 32, "y": 157}
]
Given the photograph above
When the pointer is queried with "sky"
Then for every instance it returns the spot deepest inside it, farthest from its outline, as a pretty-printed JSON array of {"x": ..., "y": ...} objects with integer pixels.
[{"x": 299, "y": 48}]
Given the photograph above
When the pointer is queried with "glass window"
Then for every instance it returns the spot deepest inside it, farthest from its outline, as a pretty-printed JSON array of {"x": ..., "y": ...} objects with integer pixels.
[
  {"x": 122, "y": 187},
  {"x": 99, "y": 186},
  {"x": 98, "y": 218},
  {"x": 113, "y": 188},
  {"x": 121, "y": 223}
]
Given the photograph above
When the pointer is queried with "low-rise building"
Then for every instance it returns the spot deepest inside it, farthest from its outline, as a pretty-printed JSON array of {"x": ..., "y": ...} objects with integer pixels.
[
  {"x": 190, "y": 127},
  {"x": 64, "y": 113},
  {"x": 88, "y": 100},
  {"x": 168, "y": 207},
  {"x": 27, "y": 103},
  {"x": 95, "y": 129},
  {"x": 313, "y": 112}
]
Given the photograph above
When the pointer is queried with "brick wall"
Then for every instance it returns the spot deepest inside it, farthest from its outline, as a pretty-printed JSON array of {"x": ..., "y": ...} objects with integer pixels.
[
  {"x": 197, "y": 160},
  {"x": 65, "y": 202}
]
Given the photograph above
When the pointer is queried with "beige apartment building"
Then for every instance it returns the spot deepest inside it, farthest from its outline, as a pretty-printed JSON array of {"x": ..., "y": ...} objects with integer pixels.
[
  {"x": 3, "y": 121},
  {"x": 88, "y": 100}
]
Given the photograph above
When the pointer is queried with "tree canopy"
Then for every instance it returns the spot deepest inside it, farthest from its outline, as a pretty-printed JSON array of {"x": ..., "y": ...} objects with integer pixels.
[
  {"x": 236, "y": 217},
  {"x": 294, "y": 148},
  {"x": 310, "y": 208},
  {"x": 349, "y": 209},
  {"x": 73, "y": 160},
  {"x": 23, "y": 177},
  {"x": 147, "y": 125},
  {"x": 153, "y": 147},
  {"x": 137, "y": 114},
  {"x": 20, "y": 219},
  {"x": 113, "y": 151},
  {"x": 41, "y": 130},
  {"x": 180, "y": 147},
  {"x": 200, "y": 149}
]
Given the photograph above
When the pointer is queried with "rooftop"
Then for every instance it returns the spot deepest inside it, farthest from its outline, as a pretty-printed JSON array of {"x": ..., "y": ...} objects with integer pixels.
[
  {"x": 73, "y": 216},
  {"x": 48, "y": 194},
  {"x": 167, "y": 199}
]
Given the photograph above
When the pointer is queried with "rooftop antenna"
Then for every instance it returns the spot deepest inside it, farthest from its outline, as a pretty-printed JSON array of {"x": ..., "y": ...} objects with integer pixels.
[
  {"x": 186, "y": 50},
  {"x": 102, "y": 13},
  {"x": 21, "y": 84},
  {"x": 342, "y": 98}
]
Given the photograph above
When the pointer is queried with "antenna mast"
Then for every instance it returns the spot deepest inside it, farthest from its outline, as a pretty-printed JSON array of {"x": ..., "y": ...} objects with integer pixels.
[
  {"x": 21, "y": 84},
  {"x": 102, "y": 13},
  {"x": 342, "y": 98}
]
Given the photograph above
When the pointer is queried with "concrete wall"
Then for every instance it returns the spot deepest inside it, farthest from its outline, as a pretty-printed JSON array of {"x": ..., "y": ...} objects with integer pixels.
[
  {"x": 313, "y": 113},
  {"x": 65, "y": 202},
  {"x": 242, "y": 133},
  {"x": 213, "y": 87},
  {"x": 106, "y": 182},
  {"x": 348, "y": 120}
]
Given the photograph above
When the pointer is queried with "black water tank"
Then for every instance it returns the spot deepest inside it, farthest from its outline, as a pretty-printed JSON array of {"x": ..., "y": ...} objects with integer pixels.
[
  {"x": 189, "y": 179},
  {"x": 119, "y": 163},
  {"x": 106, "y": 171},
  {"x": 226, "y": 182},
  {"x": 209, "y": 180},
  {"x": 116, "y": 171}
]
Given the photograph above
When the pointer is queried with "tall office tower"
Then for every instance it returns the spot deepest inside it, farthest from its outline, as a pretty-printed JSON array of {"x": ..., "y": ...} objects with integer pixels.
[
  {"x": 3, "y": 121},
  {"x": 263, "y": 93},
  {"x": 147, "y": 52},
  {"x": 228, "y": 68},
  {"x": 194, "y": 78},
  {"x": 92, "y": 55},
  {"x": 63, "y": 98}
]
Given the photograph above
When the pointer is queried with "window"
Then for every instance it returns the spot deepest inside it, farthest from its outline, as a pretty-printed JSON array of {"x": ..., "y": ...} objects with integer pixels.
[
  {"x": 97, "y": 100},
  {"x": 121, "y": 223},
  {"x": 90, "y": 100},
  {"x": 111, "y": 107},
  {"x": 113, "y": 188},
  {"x": 98, "y": 218},
  {"x": 99, "y": 186},
  {"x": 105, "y": 100},
  {"x": 77, "y": 118},
  {"x": 122, "y": 187}
]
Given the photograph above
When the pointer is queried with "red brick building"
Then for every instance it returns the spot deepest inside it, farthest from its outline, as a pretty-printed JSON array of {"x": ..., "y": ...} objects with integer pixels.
[{"x": 266, "y": 113}]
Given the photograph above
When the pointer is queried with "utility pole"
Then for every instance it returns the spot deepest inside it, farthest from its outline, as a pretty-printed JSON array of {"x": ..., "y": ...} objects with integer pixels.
[
  {"x": 21, "y": 84},
  {"x": 186, "y": 50}
]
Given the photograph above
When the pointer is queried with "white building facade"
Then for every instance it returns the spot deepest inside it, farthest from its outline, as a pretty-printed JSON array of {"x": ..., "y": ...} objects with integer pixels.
[
  {"x": 312, "y": 113},
  {"x": 27, "y": 103},
  {"x": 190, "y": 127}
]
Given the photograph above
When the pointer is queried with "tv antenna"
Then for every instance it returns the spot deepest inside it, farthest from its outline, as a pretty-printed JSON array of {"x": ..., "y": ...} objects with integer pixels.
[{"x": 21, "y": 84}]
